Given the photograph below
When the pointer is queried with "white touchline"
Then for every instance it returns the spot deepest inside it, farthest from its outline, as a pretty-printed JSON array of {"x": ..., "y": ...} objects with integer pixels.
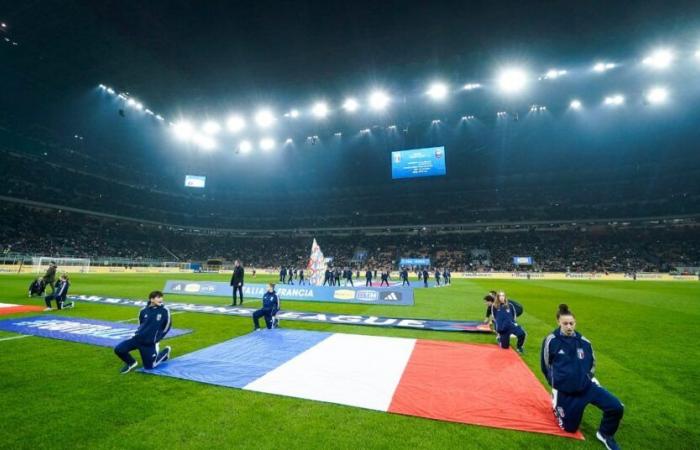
[{"x": 15, "y": 337}]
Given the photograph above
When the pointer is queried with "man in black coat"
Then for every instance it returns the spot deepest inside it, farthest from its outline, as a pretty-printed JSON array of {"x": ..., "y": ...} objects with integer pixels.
[{"x": 237, "y": 281}]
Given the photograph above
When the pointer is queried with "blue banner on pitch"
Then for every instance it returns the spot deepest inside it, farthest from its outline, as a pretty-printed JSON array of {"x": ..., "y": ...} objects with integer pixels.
[
  {"x": 469, "y": 326},
  {"x": 75, "y": 329},
  {"x": 330, "y": 294}
]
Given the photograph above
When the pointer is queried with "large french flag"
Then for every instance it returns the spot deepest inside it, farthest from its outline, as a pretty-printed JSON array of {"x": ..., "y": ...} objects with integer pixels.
[{"x": 467, "y": 383}]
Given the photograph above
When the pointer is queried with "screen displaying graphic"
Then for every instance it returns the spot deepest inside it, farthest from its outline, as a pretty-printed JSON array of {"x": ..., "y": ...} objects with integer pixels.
[
  {"x": 420, "y": 162},
  {"x": 195, "y": 181},
  {"x": 523, "y": 260}
]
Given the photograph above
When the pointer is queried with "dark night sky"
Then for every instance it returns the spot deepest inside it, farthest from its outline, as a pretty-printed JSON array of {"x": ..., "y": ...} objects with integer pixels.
[{"x": 194, "y": 54}]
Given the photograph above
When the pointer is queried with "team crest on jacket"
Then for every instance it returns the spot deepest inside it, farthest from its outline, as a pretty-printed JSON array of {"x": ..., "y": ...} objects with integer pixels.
[
  {"x": 158, "y": 317},
  {"x": 580, "y": 353}
]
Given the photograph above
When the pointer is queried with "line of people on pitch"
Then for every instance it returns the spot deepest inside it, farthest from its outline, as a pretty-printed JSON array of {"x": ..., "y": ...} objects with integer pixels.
[
  {"x": 58, "y": 288},
  {"x": 288, "y": 275},
  {"x": 568, "y": 363},
  {"x": 333, "y": 276}
]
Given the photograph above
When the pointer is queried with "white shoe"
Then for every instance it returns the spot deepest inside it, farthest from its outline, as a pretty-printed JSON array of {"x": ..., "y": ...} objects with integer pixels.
[{"x": 47, "y": 309}]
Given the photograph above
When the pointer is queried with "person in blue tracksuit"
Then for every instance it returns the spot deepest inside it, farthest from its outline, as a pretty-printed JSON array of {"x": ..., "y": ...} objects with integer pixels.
[
  {"x": 271, "y": 305},
  {"x": 59, "y": 294},
  {"x": 425, "y": 277},
  {"x": 37, "y": 287},
  {"x": 568, "y": 362},
  {"x": 505, "y": 322},
  {"x": 404, "y": 277},
  {"x": 154, "y": 324},
  {"x": 368, "y": 277}
]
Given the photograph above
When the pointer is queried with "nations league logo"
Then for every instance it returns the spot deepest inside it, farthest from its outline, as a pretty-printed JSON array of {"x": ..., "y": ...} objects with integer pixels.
[{"x": 438, "y": 153}]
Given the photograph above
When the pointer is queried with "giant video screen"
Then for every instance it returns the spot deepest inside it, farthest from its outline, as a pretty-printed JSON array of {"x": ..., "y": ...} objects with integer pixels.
[{"x": 419, "y": 162}]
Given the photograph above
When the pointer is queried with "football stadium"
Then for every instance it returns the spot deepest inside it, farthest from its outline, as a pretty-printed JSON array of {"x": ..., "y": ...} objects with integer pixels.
[{"x": 424, "y": 225}]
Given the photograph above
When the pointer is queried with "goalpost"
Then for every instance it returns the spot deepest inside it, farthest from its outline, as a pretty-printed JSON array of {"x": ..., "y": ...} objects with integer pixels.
[{"x": 41, "y": 263}]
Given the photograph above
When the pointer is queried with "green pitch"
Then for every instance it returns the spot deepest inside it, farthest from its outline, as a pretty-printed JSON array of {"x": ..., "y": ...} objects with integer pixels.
[{"x": 56, "y": 394}]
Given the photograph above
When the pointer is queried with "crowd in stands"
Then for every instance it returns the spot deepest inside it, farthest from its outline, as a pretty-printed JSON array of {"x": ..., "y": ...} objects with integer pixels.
[
  {"x": 51, "y": 232},
  {"x": 75, "y": 178}
]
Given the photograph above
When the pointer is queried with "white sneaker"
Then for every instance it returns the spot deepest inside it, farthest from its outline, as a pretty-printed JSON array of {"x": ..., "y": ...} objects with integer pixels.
[{"x": 47, "y": 309}]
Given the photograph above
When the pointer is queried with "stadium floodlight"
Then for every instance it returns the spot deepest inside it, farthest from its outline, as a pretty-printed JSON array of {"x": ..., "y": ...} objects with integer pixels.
[
  {"x": 245, "y": 146},
  {"x": 292, "y": 113},
  {"x": 131, "y": 102},
  {"x": 657, "y": 95},
  {"x": 211, "y": 127},
  {"x": 471, "y": 86},
  {"x": 438, "y": 91},
  {"x": 183, "y": 130},
  {"x": 264, "y": 118},
  {"x": 148, "y": 111},
  {"x": 4, "y": 25},
  {"x": 512, "y": 80},
  {"x": 235, "y": 124},
  {"x": 110, "y": 90},
  {"x": 601, "y": 67},
  {"x": 320, "y": 110},
  {"x": 575, "y": 104},
  {"x": 289, "y": 141},
  {"x": 159, "y": 117},
  {"x": 267, "y": 143},
  {"x": 501, "y": 114},
  {"x": 614, "y": 100},
  {"x": 365, "y": 131},
  {"x": 659, "y": 59},
  {"x": 138, "y": 106},
  {"x": 378, "y": 100},
  {"x": 350, "y": 105},
  {"x": 102, "y": 86},
  {"x": 554, "y": 73}
]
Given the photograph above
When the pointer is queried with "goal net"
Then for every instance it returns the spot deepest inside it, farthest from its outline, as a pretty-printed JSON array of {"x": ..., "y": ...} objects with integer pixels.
[{"x": 41, "y": 263}]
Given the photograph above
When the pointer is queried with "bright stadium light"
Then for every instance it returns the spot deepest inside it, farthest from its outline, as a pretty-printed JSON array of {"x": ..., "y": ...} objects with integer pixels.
[
  {"x": 603, "y": 66},
  {"x": 267, "y": 143},
  {"x": 102, "y": 86},
  {"x": 471, "y": 86},
  {"x": 657, "y": 95},
  {"x": 289, "y": 141},
  {"x": 575, "y": 104},
  {"x": 659, "y": 59},
  {"x": 350, "y": 105},
  {"x": 183, "y": 130},
  {"x": 131, "y": 102},
  {"x": 437, "y": 91},
  {"x": 264, "y": 118},
  {"x": 512, "y": 80},
  {"x": 614, "y": 100},
  {"x": 235, "y": 124},
  {"x": 378, "y": 100},
  {"x": 320, "y": 110},
  {"x": 293, "y": 113},
  {"x": 554, "y": 73},
  {"x": 211, "y": 127},
  {"x": 245, "y": 146},
  {"x": 110, "y": 90}
]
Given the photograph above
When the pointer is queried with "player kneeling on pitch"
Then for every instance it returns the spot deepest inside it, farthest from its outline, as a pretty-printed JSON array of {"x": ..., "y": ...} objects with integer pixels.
[
  {"x": 271, "y": 305},
  {"x": 59, "y": 294},
  {"x": 568, "y": 363},
  {"x": 505, "y": 322},
  {"x": 154, "y": 324}
]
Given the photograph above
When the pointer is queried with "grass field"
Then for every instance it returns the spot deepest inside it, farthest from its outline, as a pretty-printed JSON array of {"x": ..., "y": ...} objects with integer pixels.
[{"x": 57, "y": 394}]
